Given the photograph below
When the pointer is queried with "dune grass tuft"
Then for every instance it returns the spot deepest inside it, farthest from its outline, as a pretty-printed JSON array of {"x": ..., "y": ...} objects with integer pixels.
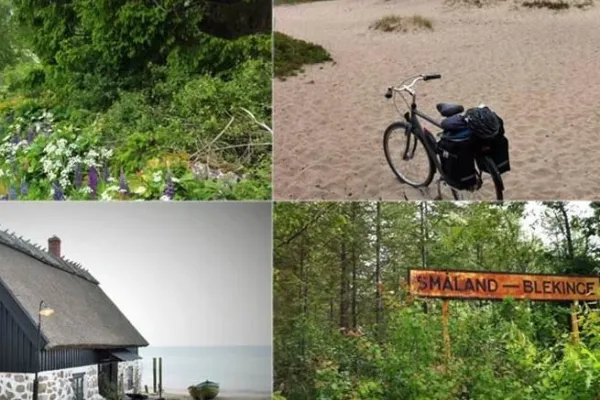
[
  {"x": 557, "y": 4},
  {"x": 473, "y": 3},
  {"x": 291, "y": 2},
  {"x": 396, "y": 23},
  {"x": 291, "y": 54}
]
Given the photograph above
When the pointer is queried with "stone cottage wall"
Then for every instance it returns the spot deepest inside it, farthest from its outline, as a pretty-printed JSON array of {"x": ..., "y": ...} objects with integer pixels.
[
  {"x": 54, "y": 385},
  {"x": 16, "y": 386},
  {"x": 135, "y": 367}
]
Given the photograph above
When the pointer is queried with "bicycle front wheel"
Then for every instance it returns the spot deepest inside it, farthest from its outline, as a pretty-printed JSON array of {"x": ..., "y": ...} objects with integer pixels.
[{"x": 407, "y": 155}]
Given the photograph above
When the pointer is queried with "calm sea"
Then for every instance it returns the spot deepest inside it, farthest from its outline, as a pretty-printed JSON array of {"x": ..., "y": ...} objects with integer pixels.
[{"x": 239, "y": 369}]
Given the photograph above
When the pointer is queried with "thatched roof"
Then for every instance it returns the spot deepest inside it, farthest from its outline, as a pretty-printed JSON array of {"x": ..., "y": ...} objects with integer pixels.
[{"x": 84, "y": 315}]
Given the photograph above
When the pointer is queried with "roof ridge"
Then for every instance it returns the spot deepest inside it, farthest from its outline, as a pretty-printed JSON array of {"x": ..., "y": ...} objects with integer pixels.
[{"x": 12, "y": 240}]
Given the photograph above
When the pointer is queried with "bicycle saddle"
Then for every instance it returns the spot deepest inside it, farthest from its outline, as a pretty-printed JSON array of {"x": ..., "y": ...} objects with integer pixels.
[{"x": 448, "y": 110}]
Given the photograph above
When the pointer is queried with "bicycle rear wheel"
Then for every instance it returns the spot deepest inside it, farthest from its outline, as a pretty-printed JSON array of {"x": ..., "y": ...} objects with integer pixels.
[
  {"x": 485, "y": 192},
  {"x": 411, "y": 154}
]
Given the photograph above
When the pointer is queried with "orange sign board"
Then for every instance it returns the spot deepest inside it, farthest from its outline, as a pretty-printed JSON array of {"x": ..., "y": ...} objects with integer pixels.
[{"x": 498, "y": 285}]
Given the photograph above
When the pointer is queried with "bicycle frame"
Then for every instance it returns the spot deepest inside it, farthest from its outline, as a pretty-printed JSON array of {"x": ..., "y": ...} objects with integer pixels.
[{"x": 414, "y": 125}]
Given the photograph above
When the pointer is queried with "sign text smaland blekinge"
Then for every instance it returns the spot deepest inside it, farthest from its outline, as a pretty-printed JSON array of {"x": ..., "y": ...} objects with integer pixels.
[{"x": 498, "y": 285}]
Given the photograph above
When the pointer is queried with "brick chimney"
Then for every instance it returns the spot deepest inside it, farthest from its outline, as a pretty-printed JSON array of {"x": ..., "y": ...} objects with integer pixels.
[{"x": 54, "y": 246}]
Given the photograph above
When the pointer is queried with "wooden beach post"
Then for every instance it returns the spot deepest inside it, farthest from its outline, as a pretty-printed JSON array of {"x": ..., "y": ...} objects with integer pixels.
[
  {"x": 160, "y": 385},
  {"x": 154, "y": 375}
]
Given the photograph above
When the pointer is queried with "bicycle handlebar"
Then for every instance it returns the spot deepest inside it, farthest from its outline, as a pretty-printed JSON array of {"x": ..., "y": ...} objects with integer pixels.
[
  {"x": 409, "y": 88},
  {"x": 432, "y": 76}
]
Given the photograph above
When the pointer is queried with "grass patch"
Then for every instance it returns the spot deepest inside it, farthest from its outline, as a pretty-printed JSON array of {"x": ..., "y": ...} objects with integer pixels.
[
  {"x": 292, "y": 54},
  {"x": 473, "y": 3},
  {"x": 284, "y": 2},
  {"x": 557, "y": 4},
  {"x": 396, "y": 23}
]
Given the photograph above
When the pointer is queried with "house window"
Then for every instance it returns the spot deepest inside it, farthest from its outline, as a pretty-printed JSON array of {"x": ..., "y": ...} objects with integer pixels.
[
  {"x": 77, "y": 382},
  {"x": 129, "y": 378}
]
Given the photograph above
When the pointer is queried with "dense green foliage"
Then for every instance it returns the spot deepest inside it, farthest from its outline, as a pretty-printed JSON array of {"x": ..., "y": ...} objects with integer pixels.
[
  {"x": 176, "y": 111},
  {"x": 345, "y": 326},
  {"x": 292, "y": 54}
]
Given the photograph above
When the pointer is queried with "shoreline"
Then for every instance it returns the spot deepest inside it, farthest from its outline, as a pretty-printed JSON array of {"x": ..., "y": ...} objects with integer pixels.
[{"x": 182, "y": 394}]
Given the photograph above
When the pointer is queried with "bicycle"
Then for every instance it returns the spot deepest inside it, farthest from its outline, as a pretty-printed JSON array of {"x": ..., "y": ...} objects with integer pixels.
[{"x": 415, "y": 133}]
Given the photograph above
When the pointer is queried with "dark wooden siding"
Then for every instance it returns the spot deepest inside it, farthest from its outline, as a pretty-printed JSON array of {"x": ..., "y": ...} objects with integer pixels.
[
  {"x": 16, "y": 350},
  {"x": 68, "y": 358}
]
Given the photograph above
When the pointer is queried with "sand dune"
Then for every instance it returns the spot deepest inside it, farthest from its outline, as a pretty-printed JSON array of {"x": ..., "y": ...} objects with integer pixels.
[{"x": 540, "y": 70}]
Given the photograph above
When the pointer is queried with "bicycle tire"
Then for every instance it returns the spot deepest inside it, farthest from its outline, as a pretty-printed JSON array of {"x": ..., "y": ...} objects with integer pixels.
[
  {"x": 496, "y": 178},
  {"x": 386, "y": 149}
]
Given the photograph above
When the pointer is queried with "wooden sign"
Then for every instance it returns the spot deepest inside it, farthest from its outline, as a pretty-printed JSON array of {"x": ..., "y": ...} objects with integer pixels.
[{"x": 498, "y": 285}]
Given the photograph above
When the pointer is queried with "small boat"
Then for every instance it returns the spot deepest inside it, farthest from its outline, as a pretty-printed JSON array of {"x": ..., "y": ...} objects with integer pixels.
[{"x": 206, "y": 390}]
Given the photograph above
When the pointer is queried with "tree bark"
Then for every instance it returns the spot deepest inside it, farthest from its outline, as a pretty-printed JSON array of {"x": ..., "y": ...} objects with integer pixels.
[{"x": 343, "y": 287}]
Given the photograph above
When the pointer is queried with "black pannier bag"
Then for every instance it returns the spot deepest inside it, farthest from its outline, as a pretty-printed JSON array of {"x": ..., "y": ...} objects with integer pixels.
[
  {"x": 458, "y": 159},
  {"x": 496, "y": 148}
]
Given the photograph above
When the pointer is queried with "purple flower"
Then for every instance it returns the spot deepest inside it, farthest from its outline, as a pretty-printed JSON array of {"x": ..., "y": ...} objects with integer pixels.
[
  {"x": 12, "y": 194},
  {"x": 123, "y": 186},
  {"x": 78, "y": 177},
  {"x": 170, "y": 189},
  {"x": 93, "y": 181},
  {"x": 24, "y": 188},
  {"x": 58, "y": 192},
  {"x": 30, "y": 135},
  {"x": 16, "y": 139}
]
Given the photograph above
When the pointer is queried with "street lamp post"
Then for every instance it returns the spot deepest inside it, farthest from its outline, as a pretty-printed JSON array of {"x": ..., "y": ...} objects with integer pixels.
[{"x": 44, "y": 311}]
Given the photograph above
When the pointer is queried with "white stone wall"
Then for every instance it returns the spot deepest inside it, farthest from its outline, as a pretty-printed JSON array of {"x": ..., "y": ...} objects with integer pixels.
[
  {"x": 124, "y": 376},
  {"x": 57, "y": 385},
  {"x": 16, "y": 386},
  {"x": 54, "y": 385}
]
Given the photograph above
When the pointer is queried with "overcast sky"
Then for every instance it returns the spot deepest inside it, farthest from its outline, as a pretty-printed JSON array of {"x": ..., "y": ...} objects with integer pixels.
[{"x": 184, "y": 273}]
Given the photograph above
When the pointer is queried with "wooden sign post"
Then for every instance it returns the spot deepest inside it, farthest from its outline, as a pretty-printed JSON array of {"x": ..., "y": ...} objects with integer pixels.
[
  {"x": 446, "y": 333},
  {"x": 471, "y": 285}
]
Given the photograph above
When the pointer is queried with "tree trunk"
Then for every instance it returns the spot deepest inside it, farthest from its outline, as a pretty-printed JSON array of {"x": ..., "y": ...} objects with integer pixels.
[
  {"x": 354, "y": 317},
  {"x": 343, "y": 287},
  {"x": 570, "y": 250}
]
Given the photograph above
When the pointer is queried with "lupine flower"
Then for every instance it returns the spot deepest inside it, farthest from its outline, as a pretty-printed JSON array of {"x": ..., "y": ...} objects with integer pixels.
[
  {"x": 123, "y": 187},
  {"x": 30, "y": 135},
  {"x": 93, "y": 181},
  {"x": 78, "y": 177},
  {"x": 12, "y": 194},
  {"x": 57, "y": 192},
  {"x": 170, "y": 189},
  {"x": 16, "y": 139},
  {"x": 24, "y": 188}
]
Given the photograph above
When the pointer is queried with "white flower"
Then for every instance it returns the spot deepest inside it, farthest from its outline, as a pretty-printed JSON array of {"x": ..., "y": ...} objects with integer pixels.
[
  {"x": 165, "y": 198},
  {"x": 85, "y": 190},
  {"x": 140, "y": 190},
  {"x": 106, "y": 196},
  {"x": 157, "y": 176},
  {"x": 111, "y": 189},
  {"x": 176, "y": 180}
]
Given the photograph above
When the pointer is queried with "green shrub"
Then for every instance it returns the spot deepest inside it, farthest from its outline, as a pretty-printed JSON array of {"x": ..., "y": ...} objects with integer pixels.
[{"x": 292, "y": 54}]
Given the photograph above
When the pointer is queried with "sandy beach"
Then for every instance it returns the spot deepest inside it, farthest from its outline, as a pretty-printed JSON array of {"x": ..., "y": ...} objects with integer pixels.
[
  {"x": 538, "y": 69},
  {"x": 175, "y": 394}
]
